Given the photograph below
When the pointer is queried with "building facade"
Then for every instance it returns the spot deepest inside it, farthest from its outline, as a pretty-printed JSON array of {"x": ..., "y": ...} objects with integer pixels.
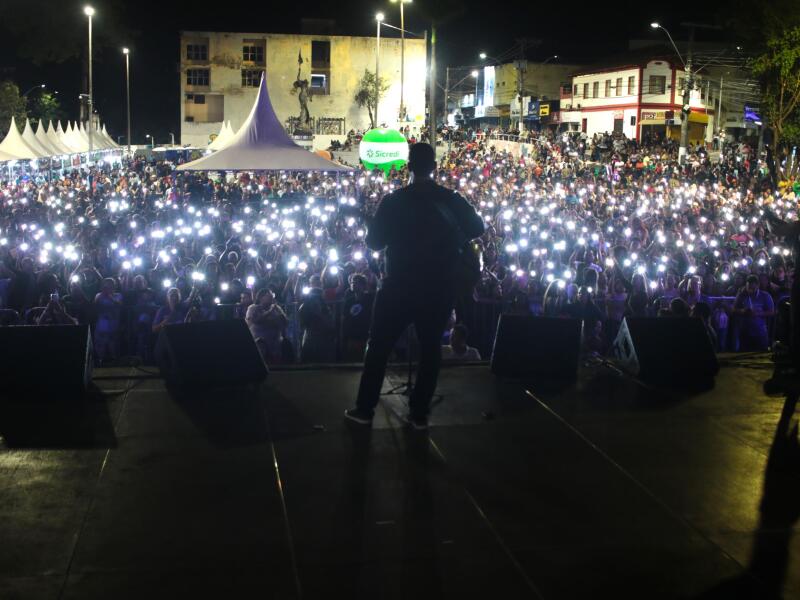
[
  {"x": 495, "y": 99},
  {"x": 220, "y": 73},
  {"x": 638, "y": 100}
]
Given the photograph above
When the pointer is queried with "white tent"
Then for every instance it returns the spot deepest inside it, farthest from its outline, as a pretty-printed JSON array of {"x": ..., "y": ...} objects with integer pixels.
[
  {"x": 6, "y": 157},
  {"x": 13, "y": 144},
  {"x": 221, "y": 139},
  {"x": 111, "y": 142},
  {"x": 55, "y": 140},
  {"x": 261, "y": 144},
  {"x": 67, "y": 138},
  {"x": 44, "y": 141},
  {"x": 99, "y": 140},
  {"x": 63, "y": 138},
  {"x": 74, "y": 138},
  {"x": 30, "y": 138}
]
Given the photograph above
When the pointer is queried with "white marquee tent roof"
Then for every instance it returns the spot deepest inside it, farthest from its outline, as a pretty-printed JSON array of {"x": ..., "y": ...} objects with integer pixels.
[
  {"x": 45, "y": 142},
  {"x": 261, "y": 144},
  {"x": 30, "y": 138},
  {"x": 13, "y": 144}
]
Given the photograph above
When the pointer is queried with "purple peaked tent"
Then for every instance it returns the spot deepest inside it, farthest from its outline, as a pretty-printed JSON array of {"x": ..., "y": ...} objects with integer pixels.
[{"x": 261, "y": 144}]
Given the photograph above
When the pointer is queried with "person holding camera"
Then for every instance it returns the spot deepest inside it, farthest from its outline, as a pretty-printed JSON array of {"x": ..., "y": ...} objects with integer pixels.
[
  {"x": 55, "y": 313},
  {"x": 267, "y": 322},
  {"x": 422, "y": 227}
]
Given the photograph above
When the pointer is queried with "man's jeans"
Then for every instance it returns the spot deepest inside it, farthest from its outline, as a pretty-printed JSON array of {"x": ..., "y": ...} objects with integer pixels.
[{"x": 395, "y": 308}]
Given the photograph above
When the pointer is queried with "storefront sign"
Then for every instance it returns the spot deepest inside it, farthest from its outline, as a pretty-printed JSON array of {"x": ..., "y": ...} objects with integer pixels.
[
  {"x": 544, "y": 110},
  {"x": 652, "y": 115}
]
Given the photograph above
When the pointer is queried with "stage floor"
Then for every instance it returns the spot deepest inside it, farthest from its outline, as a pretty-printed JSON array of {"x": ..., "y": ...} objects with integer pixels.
[{"x": 600, "y": 489}]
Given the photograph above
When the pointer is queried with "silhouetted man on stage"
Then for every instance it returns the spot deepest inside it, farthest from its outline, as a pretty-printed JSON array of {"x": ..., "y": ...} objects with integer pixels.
[
  {"x": 790, "y": 231},
  {"x": 422, "y": 248}
]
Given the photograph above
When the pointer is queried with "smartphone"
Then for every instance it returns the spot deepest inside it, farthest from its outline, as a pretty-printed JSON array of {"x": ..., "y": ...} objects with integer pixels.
[{"x": 54, "y": 297}]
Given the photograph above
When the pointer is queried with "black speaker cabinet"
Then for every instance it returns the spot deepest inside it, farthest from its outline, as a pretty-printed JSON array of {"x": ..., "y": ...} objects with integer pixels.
[
  {"x": 209, "y": 354},
  {"x": 665, "y": 349},
  {"x": 50, "y": 359},
  {"x": 544, "y": 347}
]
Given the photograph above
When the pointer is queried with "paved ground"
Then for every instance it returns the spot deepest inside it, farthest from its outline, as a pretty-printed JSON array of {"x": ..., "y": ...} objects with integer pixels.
[{"x": 601, "y": 489}]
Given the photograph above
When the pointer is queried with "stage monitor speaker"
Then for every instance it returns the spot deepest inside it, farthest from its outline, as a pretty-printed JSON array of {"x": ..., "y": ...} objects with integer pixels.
[
  {"x": 209, "y": 354},
  {"x": 51, "y": 360},
  {"x": 665, "y": 350},
  {"x": 527, "y": 346}
]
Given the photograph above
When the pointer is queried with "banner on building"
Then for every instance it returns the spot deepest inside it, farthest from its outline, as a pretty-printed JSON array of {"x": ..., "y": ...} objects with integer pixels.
[{"x": 488, "y": 86}]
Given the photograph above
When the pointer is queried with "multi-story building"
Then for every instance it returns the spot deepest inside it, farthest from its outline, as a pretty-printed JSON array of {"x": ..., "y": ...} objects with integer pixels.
[
  {"x": 220, "y": 73},
  {"x": 638, "y": 99},
  {"x": 496, "y": 90}
]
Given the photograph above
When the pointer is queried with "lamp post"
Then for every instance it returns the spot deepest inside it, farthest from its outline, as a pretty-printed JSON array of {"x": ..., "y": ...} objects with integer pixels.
[
  {"x": 41, "y": 86},
  {"x": 402, "y": 57},
  {"x": 688, "y": 85},
  {"x": 378, "y": 20},
  {"x": 89, "y": 12},
  {"x": 127, "y": 52},
  {"x": 549, "y": 58}
]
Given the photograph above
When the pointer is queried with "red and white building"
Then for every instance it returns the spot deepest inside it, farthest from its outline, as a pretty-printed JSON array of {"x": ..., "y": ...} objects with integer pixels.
[{"x": 637, "y": 99}]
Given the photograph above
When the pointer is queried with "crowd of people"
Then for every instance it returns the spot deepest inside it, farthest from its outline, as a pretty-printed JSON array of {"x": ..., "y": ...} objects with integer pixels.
[{"x": 596, "y": 228}]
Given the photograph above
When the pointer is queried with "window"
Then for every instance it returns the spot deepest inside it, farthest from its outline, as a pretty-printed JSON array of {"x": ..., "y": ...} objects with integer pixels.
[
  {"x": 595, "y": 89},
  {"x": 251, "y": 77},
  {"x": 585, "y": 90},
  {"x": 197, "y": 77},
  {"x": 658, "y": 84},
  {"x": 575, "y": 91},
  {"x": 631, "y": 85},
  {"x": 319, "y": 82},
  {"x": 619, "y": 87},
  {"x": 608, "y": 88},
  {"x": 320, "y": 53},
  {"x": 681, "y": 85},
  {"x": 321, "y": 66},
  {"x": 196, "y": 52},
  {"x": 203, "y": 108},
  {"x": 253, "y": 53}
]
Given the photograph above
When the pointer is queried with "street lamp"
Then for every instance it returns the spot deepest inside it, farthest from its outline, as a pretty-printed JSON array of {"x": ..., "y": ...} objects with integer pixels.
[
  {"x": 89, "y": 12},
  {"x": 127, "y": 52},
  {"x": 402, "y": 55},
  {"x": 36, "y": 87},
  {"x": 687, "y": 90},
  {"x": 483, "y": 55},
  {"x": 657, "y": 25},
  {"x": 147, "y": 136},
  {"x": 378, "y": 20},
  {"x": 549, "y": 58}
]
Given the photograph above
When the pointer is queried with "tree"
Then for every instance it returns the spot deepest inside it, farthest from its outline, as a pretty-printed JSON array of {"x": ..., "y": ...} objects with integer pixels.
[
  {"x": 367, "y": 96},
  {"x": 45, "y": 107},
  {"x": 778, "y": 68},
  {"x": 11, "y": 105}
]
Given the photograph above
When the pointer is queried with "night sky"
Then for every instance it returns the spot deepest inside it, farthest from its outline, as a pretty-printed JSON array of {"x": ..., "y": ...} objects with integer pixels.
[{"x": 575, "y": 32}]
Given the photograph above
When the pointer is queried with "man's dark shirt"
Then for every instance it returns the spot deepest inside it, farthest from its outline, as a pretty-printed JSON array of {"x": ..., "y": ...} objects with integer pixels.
[
  {"x": 357, "y": 316},
  {"x": 421, "y": 246}
]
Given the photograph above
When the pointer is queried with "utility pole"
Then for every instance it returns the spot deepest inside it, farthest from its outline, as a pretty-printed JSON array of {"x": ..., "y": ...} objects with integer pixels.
[
  {"x": 520, "y": 73},
  {"x": 432, "y": 109},
  {"x": 447, "y": 102},
  {"x": 720, "y": 128},
  {"x": 686, "y": 108}
]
